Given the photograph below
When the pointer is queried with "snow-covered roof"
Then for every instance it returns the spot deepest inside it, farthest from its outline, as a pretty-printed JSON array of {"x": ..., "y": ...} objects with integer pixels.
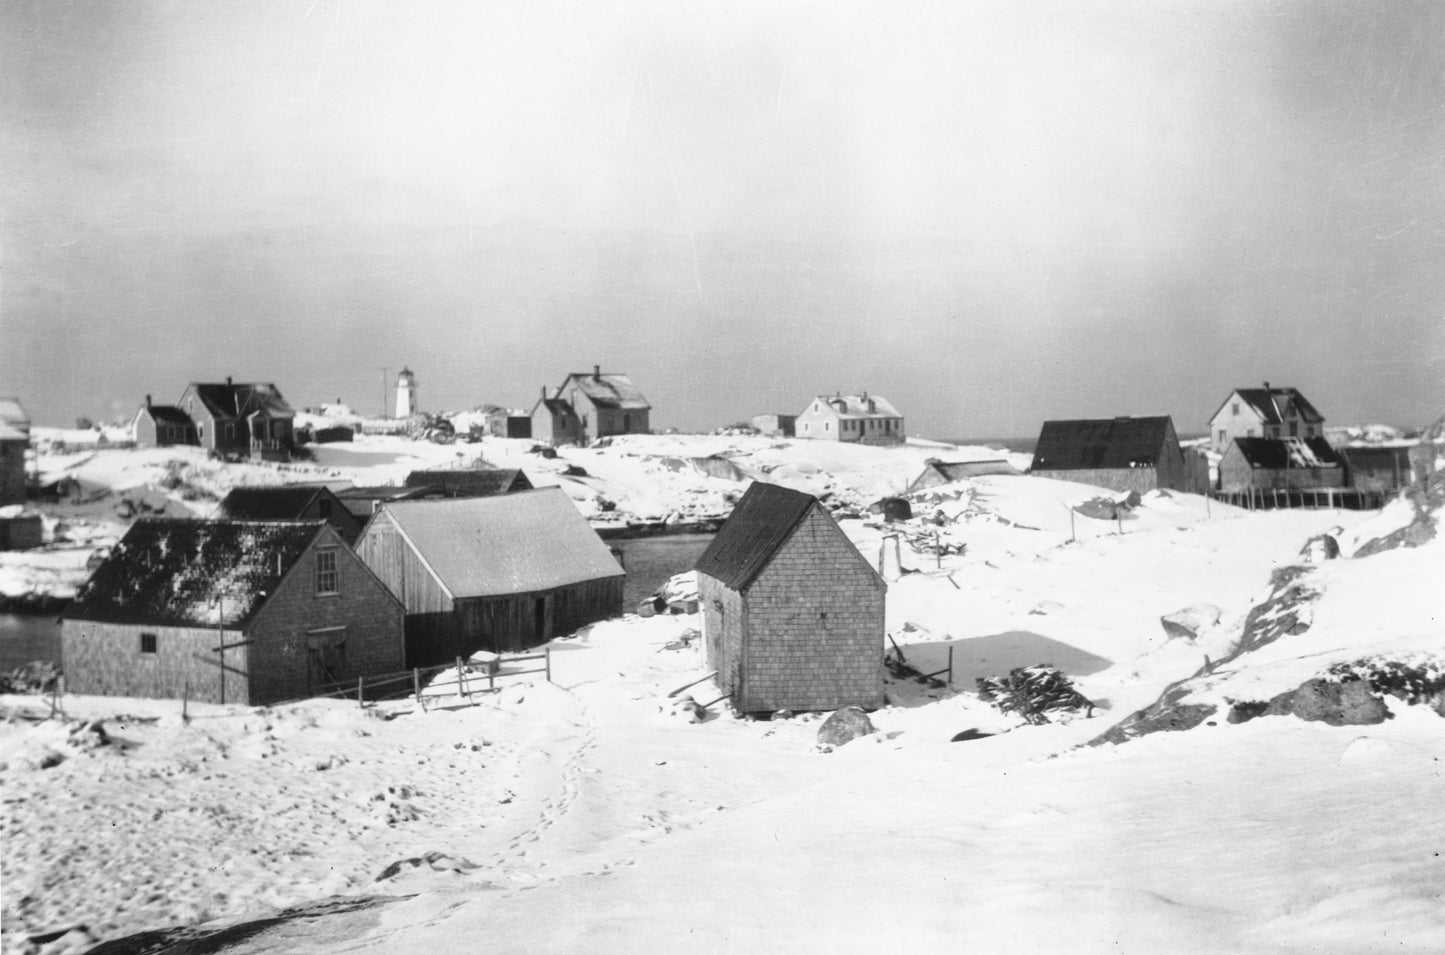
[
  {"x": 181, "y": 572},
  {"x": 13, "y": 413},
  {"x": 608, "y": 390},
  {"x": 239, "y": 400},
  {"x": 516, "y": 543},
  {"x": 860, "y": 406},
  {"x": 1108, "y": 443},
  {"x": 1277, "y": 454}
]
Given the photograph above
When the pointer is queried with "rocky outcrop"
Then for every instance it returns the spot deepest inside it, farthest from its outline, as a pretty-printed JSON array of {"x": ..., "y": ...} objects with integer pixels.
[
  {"x": 1427, "y": 499},
  {"x": 1166, "y": 714},
  {"x": 1186, "y": 624},
  {"x": 844, "y": 726}
]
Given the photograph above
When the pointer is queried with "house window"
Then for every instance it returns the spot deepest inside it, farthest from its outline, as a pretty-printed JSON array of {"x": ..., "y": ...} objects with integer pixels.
[
  {"x": 1294, "y": 429},
  {"x": 1235, "y": 409},
  {"x": 147, "y": 643},
  {"x": 326, "y": 571}
]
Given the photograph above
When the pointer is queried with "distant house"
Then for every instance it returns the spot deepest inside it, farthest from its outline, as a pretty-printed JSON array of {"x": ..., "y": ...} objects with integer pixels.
[
  {"x": 936, "y": 472},
  {"x": 865, "y": 419},
  {"x": 776, "y": 425},
  {"x": 229, "y": 612},
  {"x": 506, "y": 423},
  {"x": 470, "y": 482},
  {"x": 1280, "y": 463},
  {"x": 603, "y": 404},
  {"x": 245, "y": 419},
  {"x": 491, "y": 573},
  {"x": 13, "y": 444},
  {"x": 1122, "y": 454},
  {"x": 1376, "y": 468},
  {"x": 161, "y": 426},
  {"x": 334, "y": 434},
  {"x": 556, "y": 422},
  {"x": 1263, "y": 413},
  {"x": 792, "y": 612},
  {"x": 291, "y": 502}
]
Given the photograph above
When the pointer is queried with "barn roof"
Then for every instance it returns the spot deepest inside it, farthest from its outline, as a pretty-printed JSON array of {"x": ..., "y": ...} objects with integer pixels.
[
  {"x": 476, "y": 482},
  {"x": 1273, "y": 404},
  {"x": 509, "y": 544},
  {"x": 239, "y": 400},
  {"x": 1278, "y": 454},
  {"x": 183, "y": 572},
  {"x": 279, "y": 503},
  {"x": 1101, "y": 443},
  {"x": 1377, "y": 458},
  {"x": 758, "y": 526},
  {"x": 609, "y": 390}
]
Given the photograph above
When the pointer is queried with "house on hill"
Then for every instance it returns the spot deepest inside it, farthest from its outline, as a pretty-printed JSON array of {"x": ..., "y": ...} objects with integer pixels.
[
  {"x": 291, "y": 502},
  {"x": 1122, "y": 454},
  {"x": 863, "y": 419},
  {"x": 792, "y": 612},
  {"x": 162, "y": 426},
  {"x": 936, "y": 472},
  {"x": 470, "y": 482},
  {"x": 229, "y": 612},
  {"x": 1263, "y": 413},
  {"x": 603, "y": 404},
  {"x": 491, "y": 573},
  {"x": 1279, "y": 463},
  {"x": 241, "y": 419}
]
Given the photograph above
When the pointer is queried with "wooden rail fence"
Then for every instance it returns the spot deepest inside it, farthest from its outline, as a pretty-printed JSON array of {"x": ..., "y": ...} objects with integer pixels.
[{"x": 467, "y": 678}]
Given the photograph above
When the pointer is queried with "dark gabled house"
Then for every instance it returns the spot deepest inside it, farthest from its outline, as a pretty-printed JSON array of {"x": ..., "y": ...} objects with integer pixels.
[
  {"x": 936, "y": 472},
  {"x": 587, "y": 407},
  {"x": 1122, "y": 454},
  {"x": 792, "y": 612},
  {"x": 229, "y": 612},
  {"x": 470, "y": 482},
  {"x": 491, "y": 573},
  {"x": 1263, "y": 413},
  {"x": 292, "y": 502},
  {"x": 1279, "y": 463},
  {"x": 241, "y": 419}
]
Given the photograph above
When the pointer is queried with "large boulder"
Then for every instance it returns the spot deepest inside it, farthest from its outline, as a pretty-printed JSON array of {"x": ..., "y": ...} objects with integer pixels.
[
  {"x": 1187, "y": 623},
  {"x": 843, "y": 726},
  {"x": 1339, "y": 704}
]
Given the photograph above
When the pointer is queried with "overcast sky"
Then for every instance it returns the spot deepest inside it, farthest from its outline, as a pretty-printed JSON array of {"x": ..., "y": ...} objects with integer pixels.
[{"x": 990, "y": 213}]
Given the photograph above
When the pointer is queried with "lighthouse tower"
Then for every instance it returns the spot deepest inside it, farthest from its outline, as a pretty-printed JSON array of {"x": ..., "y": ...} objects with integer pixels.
[{"x": 406, "y": 403}]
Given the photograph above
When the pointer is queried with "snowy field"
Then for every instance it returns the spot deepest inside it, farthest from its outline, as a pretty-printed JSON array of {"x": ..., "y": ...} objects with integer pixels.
[{"x": 583, "y": 816}]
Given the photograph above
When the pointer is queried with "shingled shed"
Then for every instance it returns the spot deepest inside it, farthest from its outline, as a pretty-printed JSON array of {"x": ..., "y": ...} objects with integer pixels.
[
  {"x": 792, "y": 612},
  {"x": 229, "y": 612},
  {"x": 292, "y": 502},
  {"x": 491, "y": 573},
  {"x": 1123, "y": 454}
]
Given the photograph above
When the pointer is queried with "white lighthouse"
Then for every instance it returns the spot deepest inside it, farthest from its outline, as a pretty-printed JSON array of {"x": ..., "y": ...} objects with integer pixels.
[{"x": 406, "y": 403}]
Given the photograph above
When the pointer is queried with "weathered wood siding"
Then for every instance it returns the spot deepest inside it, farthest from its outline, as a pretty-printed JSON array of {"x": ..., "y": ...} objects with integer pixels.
[
  {"x": 361, "y": 623},
  {"x": 430, "y": 628},
  {"x": 807, "y": 634},
  {"x": 1236, "y": 473},
  {"x": 521, "y": 621},
  {"x": 105, "y": 659},
  {"x": 1114, "y": 479}
]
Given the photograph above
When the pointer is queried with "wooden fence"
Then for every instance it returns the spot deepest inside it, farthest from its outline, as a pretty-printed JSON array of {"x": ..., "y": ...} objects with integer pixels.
[
  {"x": 1268, "y": 499},
  {"x": 468, "y": 679}
]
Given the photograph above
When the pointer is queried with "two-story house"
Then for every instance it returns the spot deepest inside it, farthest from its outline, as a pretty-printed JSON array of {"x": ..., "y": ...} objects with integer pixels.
[
  {"x": 1264, "y": 413},
  {"x": 586, "y": 407}
]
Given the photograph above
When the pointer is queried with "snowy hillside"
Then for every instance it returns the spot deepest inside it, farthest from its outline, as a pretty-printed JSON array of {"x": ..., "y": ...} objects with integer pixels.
[{"x": 584, "y": 815}]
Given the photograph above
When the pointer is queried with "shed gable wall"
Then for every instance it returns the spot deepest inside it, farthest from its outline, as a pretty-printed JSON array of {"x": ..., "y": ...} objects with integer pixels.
[{"x": 105, "y": 659}]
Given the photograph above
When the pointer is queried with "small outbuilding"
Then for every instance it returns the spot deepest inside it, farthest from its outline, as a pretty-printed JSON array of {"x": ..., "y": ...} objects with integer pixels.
[
  {"x": 1279, "y": 464},
  {"x": 292, "y": 502},
  {"x": 162, "y": 426},
  {"x": 1122, "y": 454},
  {"x": 491, "y": 573},
  {"x": 229, "y": 612},
  {"x": 792, "y": 612}
]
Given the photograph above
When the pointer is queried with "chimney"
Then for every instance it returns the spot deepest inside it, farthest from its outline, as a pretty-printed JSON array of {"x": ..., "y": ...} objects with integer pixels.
[
  {"x": 597, "y": 372},
  {"x": 228, "y": 381},
  {"x": 148, "y": 401},
  {"x": 1266, "y": 386},
  {"x": 544, "y": 392}
]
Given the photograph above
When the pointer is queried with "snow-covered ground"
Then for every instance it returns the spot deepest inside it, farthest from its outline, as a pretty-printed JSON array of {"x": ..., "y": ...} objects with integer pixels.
[{"x": 584, "y": 815}]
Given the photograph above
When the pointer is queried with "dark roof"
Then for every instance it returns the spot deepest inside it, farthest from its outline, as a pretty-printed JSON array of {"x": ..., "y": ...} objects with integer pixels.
[
  {"x": 471, "y": 483},
  {"x": 362, "y": 501},
  {"x": 279, "y": 503},
  {"x": 519, "y": 543},
  {"x": 1101, "y": 443},
  {"x": 758, "y": 526},
  {"x": 192, "y": 573},
  {"x": 238, "y": 401},
  {"x": 1376, "y": 457},
  {"x": 168, "y": 414},
  {"x": 1273, "y": 404},
  {"x": 1277, "y": 454},
  {"x": 557, "y": 406}
]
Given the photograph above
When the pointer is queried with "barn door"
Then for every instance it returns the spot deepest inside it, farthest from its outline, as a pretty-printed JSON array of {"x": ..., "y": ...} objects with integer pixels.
[
  {"x": 542, "y": 619},
  {"x": 325, "y": 657}
]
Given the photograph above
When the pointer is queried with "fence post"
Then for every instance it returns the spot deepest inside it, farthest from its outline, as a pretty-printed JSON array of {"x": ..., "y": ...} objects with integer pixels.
[
  {"x": 416, "y": 685},
  {"x": 360, "y": 692},
  {"x": 461, "y": 693},
  {"x": 950, "y": 664},
  {"x": 547, "y": 661}
]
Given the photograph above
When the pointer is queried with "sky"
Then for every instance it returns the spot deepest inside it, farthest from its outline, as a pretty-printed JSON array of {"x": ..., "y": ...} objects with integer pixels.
[{"x": 991, "y": 213}]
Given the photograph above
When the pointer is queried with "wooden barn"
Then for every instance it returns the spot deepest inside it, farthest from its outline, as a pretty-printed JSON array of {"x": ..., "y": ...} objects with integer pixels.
[
  {"x": 292, "y": 502},
  {"x": 1385, "y": 469},
  {"x": 161, "y": 426},
  {"x": 229, "y": 612},
  {"x": 470, "y": 482},
  {"x": 491, "y": 573},
  {"x": 1122, "y": 454},
  {"x": 1280, "y": 463},
  {"x": 936, "y": 472},
  {"x": 792, "y": 612}
]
